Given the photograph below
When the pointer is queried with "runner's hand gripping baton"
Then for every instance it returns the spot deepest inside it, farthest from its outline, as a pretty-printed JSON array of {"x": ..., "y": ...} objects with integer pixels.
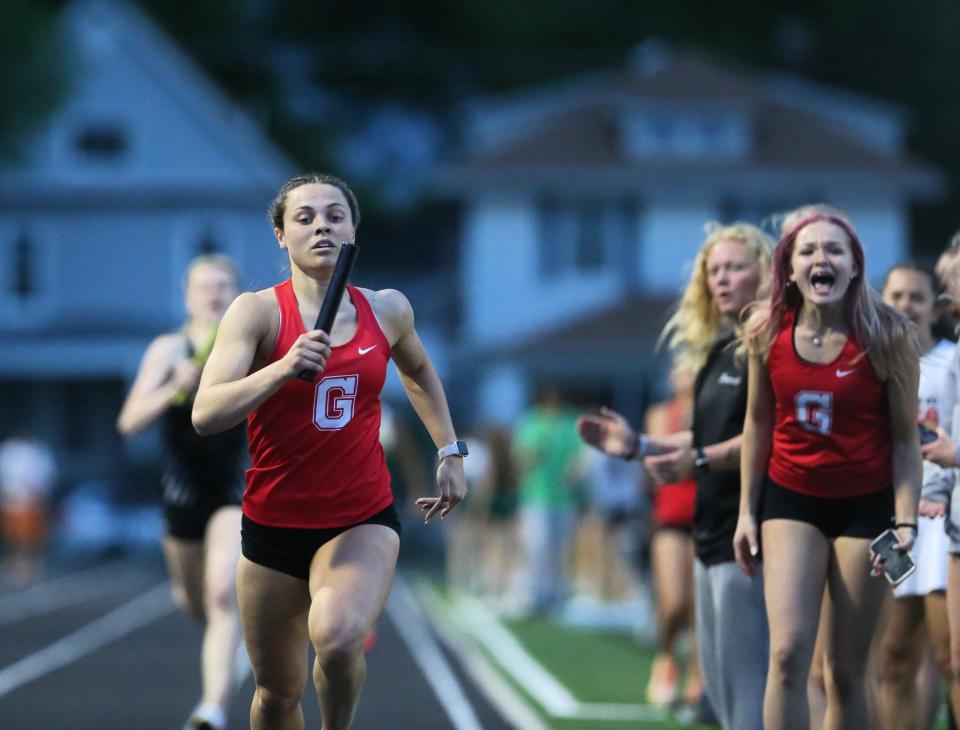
[{"x": 331, "y": 301}]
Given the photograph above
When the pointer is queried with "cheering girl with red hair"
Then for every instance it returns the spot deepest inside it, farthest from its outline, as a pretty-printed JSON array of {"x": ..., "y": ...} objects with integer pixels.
[{"x": 830, "y": 459}]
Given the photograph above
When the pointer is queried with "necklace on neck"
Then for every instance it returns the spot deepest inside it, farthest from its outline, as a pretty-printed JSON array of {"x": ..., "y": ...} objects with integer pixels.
[{"x": 817, "y": 340}]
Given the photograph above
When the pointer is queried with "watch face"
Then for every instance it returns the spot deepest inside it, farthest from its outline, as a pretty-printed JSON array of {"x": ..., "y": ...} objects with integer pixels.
[{"x": 462, "y": 448}]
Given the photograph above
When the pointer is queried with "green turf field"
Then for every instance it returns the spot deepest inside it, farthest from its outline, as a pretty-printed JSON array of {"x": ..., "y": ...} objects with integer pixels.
[
  {"x": 604, "y": 672},
  {"x": 597, "y": 667}
]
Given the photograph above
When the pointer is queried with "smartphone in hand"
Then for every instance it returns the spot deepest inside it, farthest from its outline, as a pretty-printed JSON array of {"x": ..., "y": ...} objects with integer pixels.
[
  {"x": 898, "y": 565},
  {"x": 927, "y": 435}
]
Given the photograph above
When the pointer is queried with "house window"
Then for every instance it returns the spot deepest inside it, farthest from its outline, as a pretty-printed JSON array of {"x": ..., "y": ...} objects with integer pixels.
[
  {"x": 104, "y": 141},
  {"x": 27, "y": 293},
  {"x": 584, "y": 236},
  {"x": 23, "y": 284},
  {"x": 690, "y": 134}
]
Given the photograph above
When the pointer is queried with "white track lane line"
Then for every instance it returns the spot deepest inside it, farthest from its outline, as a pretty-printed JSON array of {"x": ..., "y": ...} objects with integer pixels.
[
  {"x": 405, "y": 614},
  {"x": 476, "y": 619},
  {"x": 500, "y": 693},
  {"x": 69, "y": 590},
  {"x": 142, "y": 610}
]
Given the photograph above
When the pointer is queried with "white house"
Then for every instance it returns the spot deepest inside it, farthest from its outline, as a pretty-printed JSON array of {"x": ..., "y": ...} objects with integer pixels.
[
  {"x": 585, "y": 200},
  {"x": 145, "y": 165}
]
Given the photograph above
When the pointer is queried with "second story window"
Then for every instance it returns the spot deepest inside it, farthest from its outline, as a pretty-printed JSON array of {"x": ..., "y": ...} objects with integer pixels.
[
  {"x": 100, "y": 142},
  {"x": 577, "y": 236}
]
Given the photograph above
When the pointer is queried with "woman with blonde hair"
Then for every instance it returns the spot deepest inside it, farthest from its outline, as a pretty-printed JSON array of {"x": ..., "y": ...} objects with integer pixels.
[
  {"x": 830, "y": 455},
  {"x": 730, "y": 269}
]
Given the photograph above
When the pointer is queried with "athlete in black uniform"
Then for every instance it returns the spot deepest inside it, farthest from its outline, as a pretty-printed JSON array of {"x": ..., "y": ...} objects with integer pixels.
[
  {"x": 201, "y": 474},
  {"x": 202, "y": 480}
]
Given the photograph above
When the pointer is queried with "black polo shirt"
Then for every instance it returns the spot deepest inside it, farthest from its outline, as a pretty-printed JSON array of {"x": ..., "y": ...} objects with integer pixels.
[{"x": 720, "y": 405}]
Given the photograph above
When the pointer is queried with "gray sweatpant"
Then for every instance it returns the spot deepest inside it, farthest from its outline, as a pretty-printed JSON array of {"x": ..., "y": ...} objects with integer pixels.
[{"x": 733, "y": 643}]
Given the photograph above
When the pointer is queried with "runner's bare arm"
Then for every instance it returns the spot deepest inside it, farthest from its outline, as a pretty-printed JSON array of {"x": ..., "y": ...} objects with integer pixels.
[
  {"x": 153, "y": 386},
  {"x": 426, "y": 395},
  {"x": 228, "y": 390}
]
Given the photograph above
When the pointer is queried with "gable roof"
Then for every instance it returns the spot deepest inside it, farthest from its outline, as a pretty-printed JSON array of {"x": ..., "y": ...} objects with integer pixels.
[
  {"x": 125, "y": 68},
  {"x": 794, "y": 127},
  {"x": 617, "y": 338}
]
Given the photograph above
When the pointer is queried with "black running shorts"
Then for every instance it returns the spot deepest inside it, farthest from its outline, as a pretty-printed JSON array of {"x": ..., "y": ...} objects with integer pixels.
[
  {"x": 866, "y": 515},
  {"x": 291, "y": 549}
]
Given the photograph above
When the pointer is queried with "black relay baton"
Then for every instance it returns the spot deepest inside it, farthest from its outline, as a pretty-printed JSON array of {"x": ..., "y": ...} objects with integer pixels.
[{"x": 331, "y": 301}]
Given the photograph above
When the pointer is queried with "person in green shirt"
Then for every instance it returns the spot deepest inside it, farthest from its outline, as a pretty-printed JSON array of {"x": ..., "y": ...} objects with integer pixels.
[{"x": 546, "y": 448}]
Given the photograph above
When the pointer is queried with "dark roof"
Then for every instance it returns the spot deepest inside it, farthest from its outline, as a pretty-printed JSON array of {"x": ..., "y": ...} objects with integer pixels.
[
  {"x": 687, "y": 76},
  {"x": 587, "y": 132},
  {"x": 619, "y": 337},
  {"x": 591, "y": 135}
]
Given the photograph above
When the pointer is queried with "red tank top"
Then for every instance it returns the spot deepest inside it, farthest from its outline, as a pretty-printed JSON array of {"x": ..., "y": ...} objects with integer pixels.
[
  {"x": 315, "y": 447},
  {"x": 832, "y": 432}
]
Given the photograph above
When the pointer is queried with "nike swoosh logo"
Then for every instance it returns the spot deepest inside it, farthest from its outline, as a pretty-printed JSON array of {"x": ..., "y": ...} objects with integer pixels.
[
  {"x": 845, "y": 373},
  {"x": 365, "y": 350}
]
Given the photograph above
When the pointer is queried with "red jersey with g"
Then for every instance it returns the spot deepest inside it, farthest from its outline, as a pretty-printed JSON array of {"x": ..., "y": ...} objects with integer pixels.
[
  {"x": 315, "y": 446},
  {"x": 831, "y": 437}
]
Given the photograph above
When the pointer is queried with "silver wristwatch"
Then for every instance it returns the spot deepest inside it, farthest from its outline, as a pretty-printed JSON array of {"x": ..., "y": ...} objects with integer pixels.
[{"x": 455, "y": 448}]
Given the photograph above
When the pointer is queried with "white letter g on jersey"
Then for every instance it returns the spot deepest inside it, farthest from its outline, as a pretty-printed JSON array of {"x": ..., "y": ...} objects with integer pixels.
[{"x": 334, "y": 401}]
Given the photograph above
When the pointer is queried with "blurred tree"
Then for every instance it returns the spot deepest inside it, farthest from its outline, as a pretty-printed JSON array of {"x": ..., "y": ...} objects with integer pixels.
[
  {"x": 33, "y": 77},
  {"x": 316, "y": 72}
]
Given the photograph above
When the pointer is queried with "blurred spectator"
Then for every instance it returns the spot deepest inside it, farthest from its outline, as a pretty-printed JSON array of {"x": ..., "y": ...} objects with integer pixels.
[
  {"x": 408, "y": 468},
  {"x": 466, "y": 535},
  {"x": 482, "y": 543},
  {"x": 501, "y": 545},
  {"x": 546, "y": 448},
  {"x": 671, "y": 553},
  {"x": 27, "y": 476},
  {"x": 608, "y": 532}
]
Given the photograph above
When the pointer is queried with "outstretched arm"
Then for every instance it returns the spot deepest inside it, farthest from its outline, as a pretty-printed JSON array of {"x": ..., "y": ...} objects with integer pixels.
[
  {"x": 425, "y": 391},
  {"x": 611, "y": 433}
]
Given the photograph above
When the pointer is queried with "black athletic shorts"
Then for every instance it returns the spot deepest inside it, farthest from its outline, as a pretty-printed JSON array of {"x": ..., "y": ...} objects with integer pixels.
[
  {"x": 290, "y": 549},
  {"x": 190, "y": 522},
  {"x": 866, "y": 515}
]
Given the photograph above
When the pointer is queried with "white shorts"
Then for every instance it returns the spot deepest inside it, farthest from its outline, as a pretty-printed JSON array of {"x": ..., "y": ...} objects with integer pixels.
[{"x": 930, "y": 554}]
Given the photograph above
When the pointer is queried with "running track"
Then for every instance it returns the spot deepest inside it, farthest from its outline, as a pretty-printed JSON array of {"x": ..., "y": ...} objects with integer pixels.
[{"x": 103, "y": 647}]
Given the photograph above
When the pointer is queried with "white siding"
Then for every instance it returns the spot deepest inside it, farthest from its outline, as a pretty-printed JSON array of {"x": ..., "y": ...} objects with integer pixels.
[
  {"x": 672, "y": 234},
  {"x": 503, "y": 394},
  {"x": 505, "y": 297},
  {"x": 884, "y": 232}
]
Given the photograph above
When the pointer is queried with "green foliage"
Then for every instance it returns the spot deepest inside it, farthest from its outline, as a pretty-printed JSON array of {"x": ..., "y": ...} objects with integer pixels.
[
  {"x": 33, "y": 77},
  {"x": 361, "y": 54}
]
